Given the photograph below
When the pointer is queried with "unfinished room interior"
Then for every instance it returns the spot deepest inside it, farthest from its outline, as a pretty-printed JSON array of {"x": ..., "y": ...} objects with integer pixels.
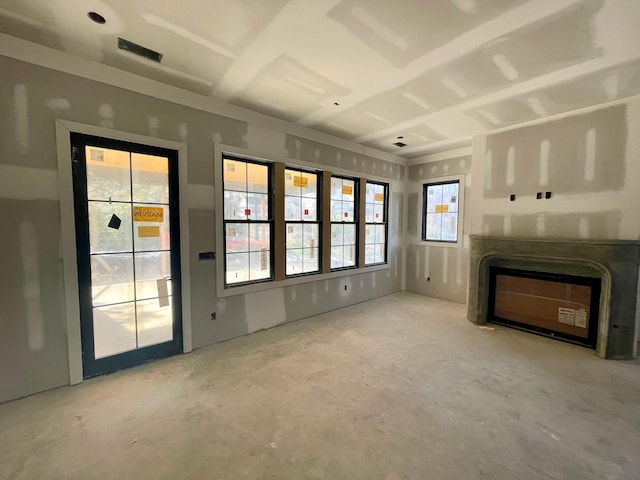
[{"x": 320, "y": 239}]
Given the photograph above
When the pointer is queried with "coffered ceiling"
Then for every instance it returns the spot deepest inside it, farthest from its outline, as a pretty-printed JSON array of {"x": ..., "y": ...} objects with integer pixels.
[{"x": 426, "y": 73}]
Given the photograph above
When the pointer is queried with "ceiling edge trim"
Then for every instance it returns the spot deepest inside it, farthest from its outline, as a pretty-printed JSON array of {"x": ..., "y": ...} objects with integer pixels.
[{"x": 47, "y": 57}]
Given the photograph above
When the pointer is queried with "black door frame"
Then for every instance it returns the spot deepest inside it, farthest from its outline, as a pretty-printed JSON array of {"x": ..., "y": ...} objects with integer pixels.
[{"x": 91, "y": 366}]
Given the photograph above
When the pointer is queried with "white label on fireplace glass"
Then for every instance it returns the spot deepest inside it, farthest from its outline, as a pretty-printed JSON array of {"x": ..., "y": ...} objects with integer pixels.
[
  {"x": 581, "y": 318},
  {"x": 566, "y": 315}
]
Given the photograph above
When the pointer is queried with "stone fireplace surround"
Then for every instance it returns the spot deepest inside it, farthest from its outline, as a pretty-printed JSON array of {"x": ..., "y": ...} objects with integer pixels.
[{"x": 615, "y": 262}]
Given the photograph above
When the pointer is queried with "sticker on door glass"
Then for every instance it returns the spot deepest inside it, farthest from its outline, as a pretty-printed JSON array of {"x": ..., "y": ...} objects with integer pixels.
[
  {"x": 347, "y": 190},
  {"x": 581, "y": 318},
  {"x": 379, "y": 197},
  {"x": 163, "y": 292},
  {"x": 442, "y": 208},
  {"x": 566, "y": 315},
  {"x": 148, "y": 214},
  {"x": 148, "y": 232}
]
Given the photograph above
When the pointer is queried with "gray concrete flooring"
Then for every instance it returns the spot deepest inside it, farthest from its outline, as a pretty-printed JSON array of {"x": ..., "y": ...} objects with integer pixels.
[{"x": 399, "y": 387}]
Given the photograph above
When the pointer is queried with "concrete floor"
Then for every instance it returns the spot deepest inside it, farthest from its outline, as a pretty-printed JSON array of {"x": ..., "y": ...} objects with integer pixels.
[{"x": 399, "y": 387}]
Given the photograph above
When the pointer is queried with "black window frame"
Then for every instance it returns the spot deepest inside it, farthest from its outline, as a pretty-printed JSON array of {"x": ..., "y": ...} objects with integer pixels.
[
  {"x": 318, "y": 221},
  {"x": 385, "y": 213},
  {"x": 270, "y": 220},
  {"x": 425, "y": 188},
  {"x": 356, "y": 221}
]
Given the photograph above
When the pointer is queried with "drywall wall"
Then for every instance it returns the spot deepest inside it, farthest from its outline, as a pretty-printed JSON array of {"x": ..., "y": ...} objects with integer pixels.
[
  {"x": 436, "y": 271},
  {"x": 33, "y": 346},
  {"x": 589, "y": 163}
]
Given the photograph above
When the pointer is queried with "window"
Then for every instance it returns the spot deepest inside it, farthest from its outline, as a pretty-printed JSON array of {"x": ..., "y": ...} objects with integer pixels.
[
  {"x": 375, "y": 241},
  {"x": 279, "y": 224},
  {"x": 440, "y": 213},
  {"x": 302, "y": 224},
  {"x": 247, "y": 221},
  {"x": 343, "y": 222}
]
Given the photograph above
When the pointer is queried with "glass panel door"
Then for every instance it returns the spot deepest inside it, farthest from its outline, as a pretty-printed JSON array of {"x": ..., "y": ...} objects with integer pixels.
[{"x": 126, "y": 204}]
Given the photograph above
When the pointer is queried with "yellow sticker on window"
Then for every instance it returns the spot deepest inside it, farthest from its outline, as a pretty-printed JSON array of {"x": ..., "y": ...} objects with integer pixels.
[
  {"x": 379, "y": 197},
  {"x": 147, "y": 232},
  {"x": 347, "y": 190},
  {"x": 442, "y": 208},
  {"x": 148, "y": 214},
  {"x": 300, "y": 182}
]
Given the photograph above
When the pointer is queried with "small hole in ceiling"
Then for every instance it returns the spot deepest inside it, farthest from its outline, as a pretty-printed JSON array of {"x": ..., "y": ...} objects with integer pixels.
[
  {"x": 96, "y": 17},
  {"x": 336, "y": 104},
  {"x": 399, "y": 137},
  {"x": 400, "y": 144}
]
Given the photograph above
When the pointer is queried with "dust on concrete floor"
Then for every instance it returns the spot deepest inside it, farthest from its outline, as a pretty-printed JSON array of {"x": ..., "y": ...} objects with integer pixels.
[{"x": 398, "y": 387}]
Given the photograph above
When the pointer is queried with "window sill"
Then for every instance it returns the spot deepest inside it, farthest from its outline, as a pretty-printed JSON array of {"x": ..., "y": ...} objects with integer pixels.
[
  {"x": 257, "y": 287},
  {"x": 427, "y": 243}
]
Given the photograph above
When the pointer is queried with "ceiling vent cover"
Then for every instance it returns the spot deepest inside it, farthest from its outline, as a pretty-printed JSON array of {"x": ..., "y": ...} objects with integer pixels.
[
  {"x": 139, "y": 50},
  {"x": 400, "y": 144}
]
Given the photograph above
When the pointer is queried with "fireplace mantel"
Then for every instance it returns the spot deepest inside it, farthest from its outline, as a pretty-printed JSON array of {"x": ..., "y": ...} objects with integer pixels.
[{"x": 615, "y": 262}]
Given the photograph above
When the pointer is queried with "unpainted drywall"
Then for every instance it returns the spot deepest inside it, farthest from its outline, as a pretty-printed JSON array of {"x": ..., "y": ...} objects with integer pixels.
[
  {"x": 588, "y": 163},
  {"x": 33, "y": 347},
  {"x": 435, "y": 271}
]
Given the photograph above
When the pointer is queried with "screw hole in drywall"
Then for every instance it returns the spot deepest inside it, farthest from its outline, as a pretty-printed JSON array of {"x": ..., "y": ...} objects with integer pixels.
[{"x": 345, "y": 288}]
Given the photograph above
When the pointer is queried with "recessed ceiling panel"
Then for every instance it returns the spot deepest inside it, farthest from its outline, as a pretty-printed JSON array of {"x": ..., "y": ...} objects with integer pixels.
[
  {"x": 287, "y": 89},
  {"x": 404, "y": 30}
]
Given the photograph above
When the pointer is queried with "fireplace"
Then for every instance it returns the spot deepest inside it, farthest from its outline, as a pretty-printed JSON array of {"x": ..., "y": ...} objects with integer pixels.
[
  {"x": 614, "y": 264},
  {"x": 565, "y": 307}
]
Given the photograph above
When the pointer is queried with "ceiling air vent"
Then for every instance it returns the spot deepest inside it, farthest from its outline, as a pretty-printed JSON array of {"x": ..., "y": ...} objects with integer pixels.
[
  {"x": 139, "y": 50},
  {"x": 400, "y": 144}
]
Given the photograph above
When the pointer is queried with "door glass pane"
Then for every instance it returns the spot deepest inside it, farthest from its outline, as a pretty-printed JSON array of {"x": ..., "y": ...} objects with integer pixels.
[
  {"x": 150, "y": 176},
  {"x": 108, "y": 239},
  {"x": 114, "y": 329},
  {"x": 111, "y": 279},
  {"x": 153, "y": 234},
  {"x": 108, "y": 175},
  {"x": 153, "y": 274},
  {"x": 155, "y": 322}
]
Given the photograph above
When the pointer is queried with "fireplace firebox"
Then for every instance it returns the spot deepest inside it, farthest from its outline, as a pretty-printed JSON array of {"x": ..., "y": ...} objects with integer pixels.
[{"x": 564, "y": 307}]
